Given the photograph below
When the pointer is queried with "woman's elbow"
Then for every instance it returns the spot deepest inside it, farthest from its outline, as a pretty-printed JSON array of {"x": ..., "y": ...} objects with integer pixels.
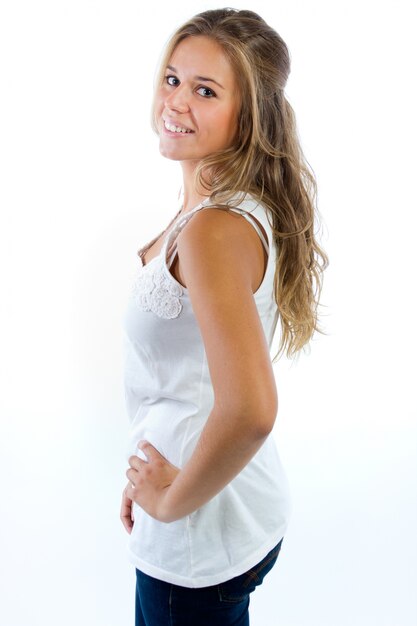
[
  {"x": 251, "y": 409},
  {"x": 258, "y": 418},
  {"x": 264, "y": 422}
]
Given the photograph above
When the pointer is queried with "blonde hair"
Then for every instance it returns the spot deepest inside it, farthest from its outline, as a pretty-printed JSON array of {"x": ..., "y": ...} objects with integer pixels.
[{"x": 264, "y": 160}]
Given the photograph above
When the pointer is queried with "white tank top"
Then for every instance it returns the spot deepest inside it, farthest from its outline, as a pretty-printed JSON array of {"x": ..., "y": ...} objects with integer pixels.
[{"x": 169, "y": 396}]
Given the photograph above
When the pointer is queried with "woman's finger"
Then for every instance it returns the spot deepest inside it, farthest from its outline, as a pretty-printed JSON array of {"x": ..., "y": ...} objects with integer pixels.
[
  {"x": 135, "y": 462},
  {"x": 126, "y": 512},
  {"x": 148, "y": 449},
  {"x": 133, "y": 476}
]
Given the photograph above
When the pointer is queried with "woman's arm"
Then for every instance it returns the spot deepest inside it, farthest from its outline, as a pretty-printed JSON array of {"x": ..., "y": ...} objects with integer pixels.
[{"x": 221, "y": 258}]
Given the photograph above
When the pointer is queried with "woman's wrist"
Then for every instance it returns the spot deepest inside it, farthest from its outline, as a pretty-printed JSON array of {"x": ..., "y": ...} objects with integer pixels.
[{"x": 166, "y": 508}]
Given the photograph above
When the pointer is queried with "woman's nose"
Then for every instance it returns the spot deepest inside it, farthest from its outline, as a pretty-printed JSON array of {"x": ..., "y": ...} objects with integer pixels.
[{"x": 178, "y": 100}]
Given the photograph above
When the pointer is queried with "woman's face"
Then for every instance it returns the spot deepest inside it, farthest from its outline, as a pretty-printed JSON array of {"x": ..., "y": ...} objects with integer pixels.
[{"x": 199, "y": 94}]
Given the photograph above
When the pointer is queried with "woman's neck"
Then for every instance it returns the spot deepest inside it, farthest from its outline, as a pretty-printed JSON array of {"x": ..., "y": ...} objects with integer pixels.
[{"x": 190, "y": 196}]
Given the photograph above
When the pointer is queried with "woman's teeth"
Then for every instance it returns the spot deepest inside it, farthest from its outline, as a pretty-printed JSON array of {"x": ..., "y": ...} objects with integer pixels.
[{"x": 176, "y": 129}]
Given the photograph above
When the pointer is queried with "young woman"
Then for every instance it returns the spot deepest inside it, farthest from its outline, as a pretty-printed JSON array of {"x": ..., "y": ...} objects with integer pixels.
[{"x": 207, "y": 504}]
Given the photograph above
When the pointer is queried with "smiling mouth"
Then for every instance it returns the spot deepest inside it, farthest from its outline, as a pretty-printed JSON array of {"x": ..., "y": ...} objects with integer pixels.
[{"x": 180, "y": 130}]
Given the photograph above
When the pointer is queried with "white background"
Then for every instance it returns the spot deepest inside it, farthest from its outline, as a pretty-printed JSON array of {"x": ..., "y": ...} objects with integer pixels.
[{"x": 82, "y": 187}]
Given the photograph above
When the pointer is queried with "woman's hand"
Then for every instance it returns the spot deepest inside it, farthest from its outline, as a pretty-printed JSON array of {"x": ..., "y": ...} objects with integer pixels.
[
  {"x": 126, "y": 514},
  {"x": 150, "y": 480}
]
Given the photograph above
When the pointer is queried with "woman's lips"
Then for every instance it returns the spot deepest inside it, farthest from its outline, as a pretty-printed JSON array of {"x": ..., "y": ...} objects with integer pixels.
[{"x": 171, "y": 133}]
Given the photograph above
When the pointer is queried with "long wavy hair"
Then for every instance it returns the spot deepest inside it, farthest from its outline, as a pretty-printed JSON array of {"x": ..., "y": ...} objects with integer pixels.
[{"x": 265, "y": 160}]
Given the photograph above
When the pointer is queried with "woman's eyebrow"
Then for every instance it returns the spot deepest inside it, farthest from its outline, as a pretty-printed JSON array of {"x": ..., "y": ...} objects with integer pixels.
[{"x": 202, "y": 78}]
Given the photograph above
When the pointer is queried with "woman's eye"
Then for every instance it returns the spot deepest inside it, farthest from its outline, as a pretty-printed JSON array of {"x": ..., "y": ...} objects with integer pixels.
[
  {"x": 211, "y": 93},
  {"x": 167, "y": 78},
  {"x": 207, "y": 93}
]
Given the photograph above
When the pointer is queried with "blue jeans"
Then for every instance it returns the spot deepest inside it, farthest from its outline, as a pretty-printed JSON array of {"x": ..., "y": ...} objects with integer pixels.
[{"x": 163, "y": 604}]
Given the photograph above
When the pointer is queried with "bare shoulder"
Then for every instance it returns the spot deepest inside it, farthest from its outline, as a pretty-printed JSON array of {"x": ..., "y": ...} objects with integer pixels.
[{"x": 215, "y": 237}]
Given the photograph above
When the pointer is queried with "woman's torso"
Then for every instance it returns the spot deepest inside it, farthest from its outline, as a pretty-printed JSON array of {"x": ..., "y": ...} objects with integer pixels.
[{"x": 169, "y": 397}]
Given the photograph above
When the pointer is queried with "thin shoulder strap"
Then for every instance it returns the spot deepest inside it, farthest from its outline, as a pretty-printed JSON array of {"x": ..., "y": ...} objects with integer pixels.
[
  {"x": 254, "y": 222},
  {"x": 251, "y": 219}
]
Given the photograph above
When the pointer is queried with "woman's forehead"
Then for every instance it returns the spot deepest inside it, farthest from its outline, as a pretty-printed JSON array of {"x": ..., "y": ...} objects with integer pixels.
[{"x": 201, "y": 56}]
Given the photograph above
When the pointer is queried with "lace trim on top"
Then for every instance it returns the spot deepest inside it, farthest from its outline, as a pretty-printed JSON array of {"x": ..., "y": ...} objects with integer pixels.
[{"x": 153, "y": 289}]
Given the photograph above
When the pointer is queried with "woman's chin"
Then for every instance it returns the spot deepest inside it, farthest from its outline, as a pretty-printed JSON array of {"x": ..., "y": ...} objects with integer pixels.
[
  {"x": 173, "y": 153},
  {"x": 167, "y": 154}
]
